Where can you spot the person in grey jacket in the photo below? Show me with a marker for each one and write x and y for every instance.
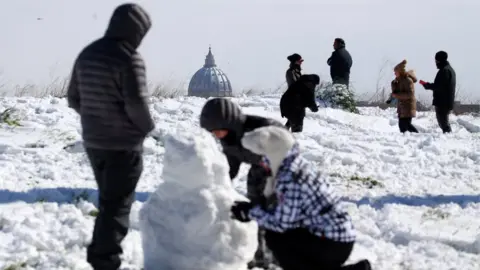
(225, 120)
(294, 71)
(108, 90)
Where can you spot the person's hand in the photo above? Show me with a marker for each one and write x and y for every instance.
(240, 209)
(315, 109)
(424, 83)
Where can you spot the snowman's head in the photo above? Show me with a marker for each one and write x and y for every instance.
(193, 159)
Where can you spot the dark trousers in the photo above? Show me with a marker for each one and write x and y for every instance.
(443, 119)
(295, 124)
(117, 174)
(300, 250)
(405, 124)
(255, 184)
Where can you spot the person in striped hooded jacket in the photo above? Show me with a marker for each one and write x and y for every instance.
(307, 226)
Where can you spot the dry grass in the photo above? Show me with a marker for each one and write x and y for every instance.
(59, 86)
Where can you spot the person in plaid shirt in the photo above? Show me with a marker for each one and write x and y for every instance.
(307, 226)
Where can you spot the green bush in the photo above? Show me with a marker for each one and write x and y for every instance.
(336, 96)
(7, 117)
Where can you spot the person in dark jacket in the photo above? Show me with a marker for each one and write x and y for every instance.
(300, 95)
(340, 63)
(443, 89)
(295, 70)
(307, 225)
(108, 90)
(227, 122)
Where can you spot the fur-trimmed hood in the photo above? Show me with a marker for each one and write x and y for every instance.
(411, 74)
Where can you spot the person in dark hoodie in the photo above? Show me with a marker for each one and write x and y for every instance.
(307, 225)
(300, 95)
(226, 122)
(443, 89)
(295, 70)
(108, 90)
(340, 63)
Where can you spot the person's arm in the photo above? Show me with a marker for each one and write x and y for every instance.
(429, 86)
(73, 95)
(256, 179)
(135, 93)
(311, 102)
(236, 155)
(439, 81)
(292, 76)
(332, 59)
(234, 164)
(286, 214)
(408, 94)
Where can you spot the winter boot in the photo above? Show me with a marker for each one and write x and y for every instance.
(259, 261)
(264, 258)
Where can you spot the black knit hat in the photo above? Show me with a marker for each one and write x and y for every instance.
(221, 113)
(294, 57)
(340, 41)
(441, 56)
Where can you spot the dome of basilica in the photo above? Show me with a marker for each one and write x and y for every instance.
(210, 81)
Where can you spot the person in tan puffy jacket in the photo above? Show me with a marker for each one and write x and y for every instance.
(403, 89)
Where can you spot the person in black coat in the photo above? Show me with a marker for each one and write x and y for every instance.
(109, 92)
(295, 70)
(443, 89)
(300, 95)
(227, 123)
(340, 63)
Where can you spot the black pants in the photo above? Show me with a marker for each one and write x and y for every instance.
(117, 174)
(256, 180)
(295, 124)
(405, 124)
(300, 250)
(443, 119)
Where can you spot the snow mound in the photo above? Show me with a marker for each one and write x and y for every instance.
(186, 223)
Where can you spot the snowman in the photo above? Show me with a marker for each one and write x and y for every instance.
(186, 224)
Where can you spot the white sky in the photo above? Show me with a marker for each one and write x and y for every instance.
(250, 38)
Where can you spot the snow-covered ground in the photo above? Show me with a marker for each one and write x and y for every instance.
(415, 198)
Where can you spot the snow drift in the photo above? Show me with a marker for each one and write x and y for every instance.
(414, 198)
(186, 223)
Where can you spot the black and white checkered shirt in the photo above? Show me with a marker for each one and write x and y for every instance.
(305, 200)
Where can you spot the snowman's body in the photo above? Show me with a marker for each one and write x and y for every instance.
(186, 223)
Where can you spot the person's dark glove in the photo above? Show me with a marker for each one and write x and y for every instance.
(315, 109)
(240, 209)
